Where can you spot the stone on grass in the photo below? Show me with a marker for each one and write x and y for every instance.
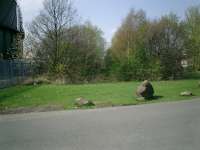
(145, 90)
(186, 93)
(140, 98)
(81, 102)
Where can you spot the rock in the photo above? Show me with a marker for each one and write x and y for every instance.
(34, 83)
(80, 102)
(145, 90)
(186, 93)
(28, 82)
(140, 98)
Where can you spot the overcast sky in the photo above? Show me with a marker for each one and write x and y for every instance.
(108, 14)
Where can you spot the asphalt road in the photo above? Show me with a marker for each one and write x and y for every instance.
(166, 126)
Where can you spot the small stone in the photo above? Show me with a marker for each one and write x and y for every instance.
(80, 102)
(35, 83)
(186, 93)
(140, 98)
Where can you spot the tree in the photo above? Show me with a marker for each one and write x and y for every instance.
(47, 30)
(167, 44)
(69, 50)
(192, 32)
(83, 56)
(108, 63)
(125, 40)
(149, 49)
(130, 47)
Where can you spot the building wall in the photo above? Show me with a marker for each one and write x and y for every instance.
(11, 30)
(11, 44)
(8, 14)
(6, 42)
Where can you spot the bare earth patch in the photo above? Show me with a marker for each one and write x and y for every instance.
(23, 110)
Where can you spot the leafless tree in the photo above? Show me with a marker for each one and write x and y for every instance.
(49, 26)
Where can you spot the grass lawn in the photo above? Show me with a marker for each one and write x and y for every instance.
(107, 93)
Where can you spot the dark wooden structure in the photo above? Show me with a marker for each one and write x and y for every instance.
(11, 30)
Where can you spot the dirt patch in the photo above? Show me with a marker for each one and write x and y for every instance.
(103, 104)
(23, 110)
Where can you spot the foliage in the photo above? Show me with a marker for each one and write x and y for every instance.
(84, 56)
(167, 45)
(149, 50)
(192, 31)
(141, 48)
(67, 49)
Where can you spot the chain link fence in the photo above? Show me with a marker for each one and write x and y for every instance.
(14, 72)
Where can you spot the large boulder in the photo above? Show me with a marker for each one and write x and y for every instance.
(145, 90)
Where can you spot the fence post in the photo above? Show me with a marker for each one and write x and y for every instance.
(11, 72)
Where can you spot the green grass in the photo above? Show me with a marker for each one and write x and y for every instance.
(108, 93)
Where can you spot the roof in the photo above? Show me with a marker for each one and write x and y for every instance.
(10, 15)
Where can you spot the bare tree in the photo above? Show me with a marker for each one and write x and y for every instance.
(47, 29)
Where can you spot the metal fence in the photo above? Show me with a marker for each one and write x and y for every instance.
(13, 72)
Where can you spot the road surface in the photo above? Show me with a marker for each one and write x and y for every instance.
(166, 126)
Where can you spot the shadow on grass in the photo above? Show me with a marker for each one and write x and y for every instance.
(156, 97)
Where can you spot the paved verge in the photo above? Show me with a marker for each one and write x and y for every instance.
(166, 126)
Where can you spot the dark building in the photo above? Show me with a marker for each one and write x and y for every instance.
(11, 30)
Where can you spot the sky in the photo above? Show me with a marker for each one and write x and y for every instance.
(108, 14)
